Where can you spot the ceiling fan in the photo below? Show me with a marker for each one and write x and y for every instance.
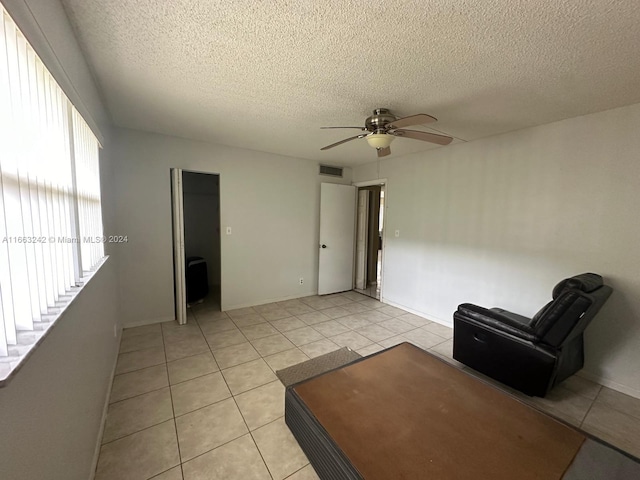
(382, 127)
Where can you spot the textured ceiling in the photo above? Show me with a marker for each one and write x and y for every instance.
(266, 75)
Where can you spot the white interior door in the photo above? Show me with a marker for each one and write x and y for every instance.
(361, 239)
(177, 209)
(337, 231)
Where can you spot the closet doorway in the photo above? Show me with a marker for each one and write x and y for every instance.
(196, 239)
(369, 240)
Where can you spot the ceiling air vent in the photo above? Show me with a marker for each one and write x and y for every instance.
(331, 171)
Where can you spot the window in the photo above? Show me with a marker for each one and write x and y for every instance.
(50, 212)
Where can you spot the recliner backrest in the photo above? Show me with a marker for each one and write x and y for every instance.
(576, 300)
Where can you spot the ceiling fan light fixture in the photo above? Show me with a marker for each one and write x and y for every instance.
(379, 140)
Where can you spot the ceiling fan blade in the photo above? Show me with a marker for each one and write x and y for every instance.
(424, 136)
(359, 128)
(383, 152)
(344, 141)
(419, 119)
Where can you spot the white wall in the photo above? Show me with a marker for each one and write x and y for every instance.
(499, 221)
(271, 203)
(51, 411)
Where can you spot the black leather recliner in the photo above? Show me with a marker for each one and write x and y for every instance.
(530, 354)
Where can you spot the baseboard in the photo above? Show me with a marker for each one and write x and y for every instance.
(103, 420)
(265, 302)
(149, 321)
(427, 316)
(619, 387)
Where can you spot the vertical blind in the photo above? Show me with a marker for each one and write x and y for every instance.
(50, 212)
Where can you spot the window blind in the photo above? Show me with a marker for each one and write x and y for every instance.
(49, 197)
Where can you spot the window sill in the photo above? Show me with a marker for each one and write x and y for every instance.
(28, 341)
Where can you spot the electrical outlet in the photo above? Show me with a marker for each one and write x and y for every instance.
(397, 233)
(228, 230)
(301, 281)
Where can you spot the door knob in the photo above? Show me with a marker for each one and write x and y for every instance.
(323, 246)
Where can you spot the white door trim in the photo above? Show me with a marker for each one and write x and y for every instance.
(179, 271)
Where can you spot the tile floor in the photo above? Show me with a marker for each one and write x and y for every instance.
(202, 401)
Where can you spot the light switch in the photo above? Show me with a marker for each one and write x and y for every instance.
(228, 230)
(397, 234)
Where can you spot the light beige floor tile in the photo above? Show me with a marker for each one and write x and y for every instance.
(225, 339)
(247, 320)
(144, 329)
(302, 336)
(564, 404)
(423, 338)
(330, 328)
(285, 359)
(352, 340)
(306, 473)
(262, 405)
(613, 426)
(299, 309)
(253, 332)
(240, 312)
(353, 322)
(318, 348)
(208, 428)
(137, 413)
(392, 311)
(276, 314)
(354, 308)
(289, 303)
(191, 367)
(199, 392)
(248, 375)
(373, 316)
(583, 387)
(370, 349)
(279, 449)
(393, 341)
(174, 474)
(210, 315)
(272, 344)
(237, 460)
(312, 318)
(141, 342)
(216, 326)
(397, 326)
(141, 455)
(235, 355)
(355, 297)
(620, 401)
(445, 349)
(318, 303)
(129, 385)
(267, 307)
(182, 333)
(286, 324)
(371, 303)
(414, 320)
(439, 329)
(186, 348)
(335, 312)
(128, 362)
(341, 300)
(375, 333)
(173, 325)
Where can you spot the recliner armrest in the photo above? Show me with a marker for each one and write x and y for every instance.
(497, 320)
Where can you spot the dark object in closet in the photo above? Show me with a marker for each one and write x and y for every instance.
(197, 283)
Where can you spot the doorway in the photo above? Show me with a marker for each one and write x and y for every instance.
(369, 240)
(197, 261)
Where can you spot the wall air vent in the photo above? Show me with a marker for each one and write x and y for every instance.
(331, 171)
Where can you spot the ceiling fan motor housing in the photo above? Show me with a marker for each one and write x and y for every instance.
(377, 122)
